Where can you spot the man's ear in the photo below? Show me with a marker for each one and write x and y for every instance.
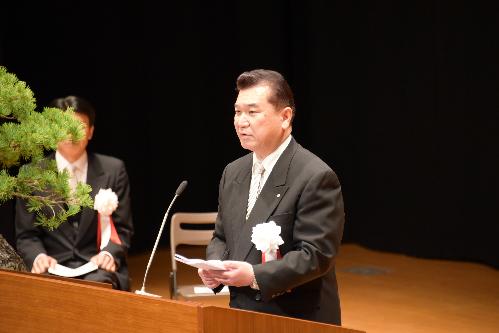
(286, 115)
(90, 132)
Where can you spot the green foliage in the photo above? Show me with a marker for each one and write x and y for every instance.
(28, 133)
(24, 137)
(16, 99)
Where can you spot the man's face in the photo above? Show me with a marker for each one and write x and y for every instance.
(73, 150)
(260, 126)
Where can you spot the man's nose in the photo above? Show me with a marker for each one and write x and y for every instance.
(242, 120)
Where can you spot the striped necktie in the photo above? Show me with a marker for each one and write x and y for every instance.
(73, 176)
(256, 186)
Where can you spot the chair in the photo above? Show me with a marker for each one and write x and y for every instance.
(179, 234)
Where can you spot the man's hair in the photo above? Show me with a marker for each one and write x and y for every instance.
(281, 95)
(79, 105)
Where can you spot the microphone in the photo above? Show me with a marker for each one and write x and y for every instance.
(178, 192)
(181, 188)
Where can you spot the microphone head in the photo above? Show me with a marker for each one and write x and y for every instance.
(181, 188)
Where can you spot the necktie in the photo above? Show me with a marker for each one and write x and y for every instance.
(73, 177)
(73, 180)
(256, 186)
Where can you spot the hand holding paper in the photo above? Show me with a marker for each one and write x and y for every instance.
(216, 272)
(42, 263)
(238, 274)
(207, 278)
(104, 261)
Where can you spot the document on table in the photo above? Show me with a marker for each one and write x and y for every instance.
(72, 272)
(200, 263)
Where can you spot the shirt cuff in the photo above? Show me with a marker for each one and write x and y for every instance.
(254, 283)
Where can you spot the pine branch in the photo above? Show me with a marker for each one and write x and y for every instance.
(24, 138)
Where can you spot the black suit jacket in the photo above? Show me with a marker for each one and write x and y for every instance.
(303, 196)
(67, 243)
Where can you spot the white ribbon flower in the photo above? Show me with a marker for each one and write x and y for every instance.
(266, 237)
(106, 202)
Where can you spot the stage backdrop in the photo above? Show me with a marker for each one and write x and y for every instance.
(399, 98)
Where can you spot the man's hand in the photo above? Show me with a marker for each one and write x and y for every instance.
(42, 263)
(238, 274)
(207, 278)
(104, 261)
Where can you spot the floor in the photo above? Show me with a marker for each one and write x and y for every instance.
(380, 292)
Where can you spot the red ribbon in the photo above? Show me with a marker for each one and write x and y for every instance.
(278, 256)
(114, 235)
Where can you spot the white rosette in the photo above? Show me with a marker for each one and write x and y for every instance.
(105, 203)
(266, 237)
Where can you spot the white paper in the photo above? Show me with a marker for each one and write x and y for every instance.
(72, 272)
(206, 290)
(200, 263)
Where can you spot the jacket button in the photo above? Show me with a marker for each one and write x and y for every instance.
(258, 296)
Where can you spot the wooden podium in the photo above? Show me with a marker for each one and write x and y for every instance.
(35, 303)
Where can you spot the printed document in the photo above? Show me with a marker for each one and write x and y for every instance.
(72, 272)
(200, 263)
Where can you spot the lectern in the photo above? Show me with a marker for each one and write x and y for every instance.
(34, 303)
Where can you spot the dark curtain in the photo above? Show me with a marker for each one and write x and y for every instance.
(399, 98)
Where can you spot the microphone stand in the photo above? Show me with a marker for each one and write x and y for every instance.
(142, 291)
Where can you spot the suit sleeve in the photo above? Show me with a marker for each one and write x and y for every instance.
(316, 233)
(217, 249)
(28, 236)
(122, 216)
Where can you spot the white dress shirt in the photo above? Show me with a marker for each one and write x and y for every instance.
(80, 164)
(270, 161)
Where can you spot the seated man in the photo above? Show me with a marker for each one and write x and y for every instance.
(74, 243)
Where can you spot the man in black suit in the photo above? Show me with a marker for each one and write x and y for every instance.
(75, 242)
(297, 191)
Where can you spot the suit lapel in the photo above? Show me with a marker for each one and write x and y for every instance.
(272, 192)
(96, 178)
(239, 198)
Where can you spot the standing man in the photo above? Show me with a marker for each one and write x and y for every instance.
(74, 243)
(283, 182)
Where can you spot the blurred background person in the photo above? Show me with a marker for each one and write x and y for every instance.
(74, 243)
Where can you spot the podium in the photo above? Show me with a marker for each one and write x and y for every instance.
(34, 303)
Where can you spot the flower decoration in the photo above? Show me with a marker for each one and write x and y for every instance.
(106, 202)
(266, 237)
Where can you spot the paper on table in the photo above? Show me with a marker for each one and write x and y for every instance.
(200, 263)
(72, 272)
